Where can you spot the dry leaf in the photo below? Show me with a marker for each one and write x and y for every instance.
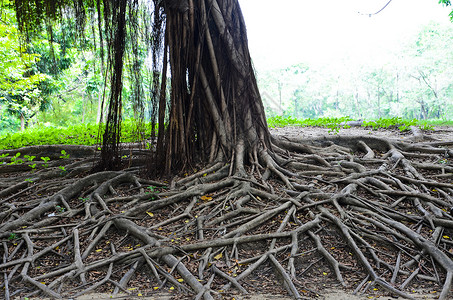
(206, 198)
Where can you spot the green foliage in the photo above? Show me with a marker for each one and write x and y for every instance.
(12, 236)
(19, 79)
(63, 170)
(332, 123)
(82, 134)
(45, 159)
(64, 155)
(15, 160)
(335, 124)
(447, 3)
(29, 158)
(60, 209)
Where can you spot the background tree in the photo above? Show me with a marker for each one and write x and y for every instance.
(20, 91)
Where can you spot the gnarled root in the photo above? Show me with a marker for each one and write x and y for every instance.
(358, 212)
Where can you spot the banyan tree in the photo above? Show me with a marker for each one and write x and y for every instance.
(218, 206)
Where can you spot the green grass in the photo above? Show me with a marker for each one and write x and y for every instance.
(87, 134)
(336, 123)
(83, 134)
(280, 121)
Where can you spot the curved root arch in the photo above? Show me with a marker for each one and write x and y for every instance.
(370, 214)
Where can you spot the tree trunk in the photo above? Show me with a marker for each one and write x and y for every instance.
(216, 109)
(22, 122)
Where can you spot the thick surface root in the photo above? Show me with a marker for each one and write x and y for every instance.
(367, 214)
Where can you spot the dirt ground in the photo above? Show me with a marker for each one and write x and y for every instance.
(328, 295)
(441, 133)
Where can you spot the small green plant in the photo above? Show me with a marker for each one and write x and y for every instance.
(29, 180)
(63, 170)
(45, 159)
(33, 167)
(59, 209)
(15, 160)
(64, 155)
(152, 190)
(4, 155)
(12, 236)
(427, 127)
(29, 157)
(334, 128)
(83, 199)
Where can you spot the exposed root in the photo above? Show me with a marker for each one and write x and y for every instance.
(368, 214)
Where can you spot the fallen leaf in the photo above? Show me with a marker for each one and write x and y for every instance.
(150, 214)
(206, 198)
(218, 256)
(172, 288)
(180, 280)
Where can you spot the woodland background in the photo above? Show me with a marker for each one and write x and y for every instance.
(62, 85)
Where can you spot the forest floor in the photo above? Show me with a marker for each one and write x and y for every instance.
(66, 234)
(439, 133)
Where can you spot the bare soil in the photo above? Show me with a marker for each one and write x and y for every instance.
(440, 133)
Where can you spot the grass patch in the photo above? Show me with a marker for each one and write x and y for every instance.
(336, 123)
(83, 134)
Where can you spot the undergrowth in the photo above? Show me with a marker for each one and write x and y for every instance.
(336, 123)
(82, 134)
(87, 134)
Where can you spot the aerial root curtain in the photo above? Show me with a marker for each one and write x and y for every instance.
(215, 107)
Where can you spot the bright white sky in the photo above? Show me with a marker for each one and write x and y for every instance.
(286, 32)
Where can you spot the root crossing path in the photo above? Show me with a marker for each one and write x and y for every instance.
(369, 214)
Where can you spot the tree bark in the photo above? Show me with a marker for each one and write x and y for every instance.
(214, 94)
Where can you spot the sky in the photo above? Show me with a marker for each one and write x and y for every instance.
(286, 32)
